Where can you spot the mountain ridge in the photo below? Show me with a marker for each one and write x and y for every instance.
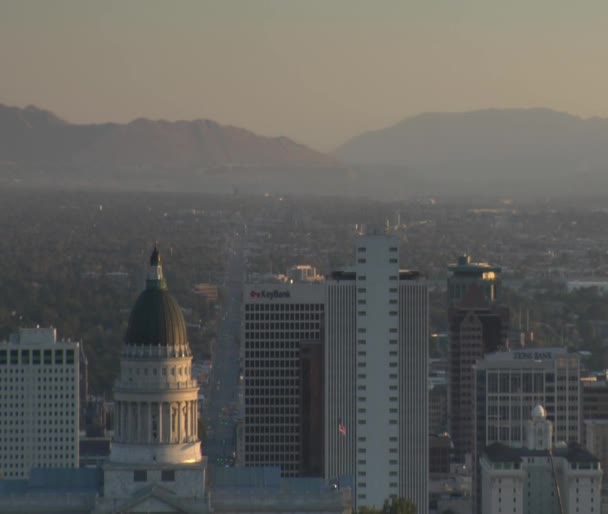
(486, 143)
(32, 135)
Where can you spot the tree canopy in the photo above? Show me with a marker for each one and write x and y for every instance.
(392, 506)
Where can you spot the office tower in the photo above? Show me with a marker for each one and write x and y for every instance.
(376, 368)
(477, 325)
(509, 384)
(438, 408)
(539, 476)
(39, 402)
(156, 440)
(594, 396)
(280, 357)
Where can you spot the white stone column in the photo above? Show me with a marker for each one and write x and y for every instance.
(139, 425)
(149, 421)
(173, 406)
(194, 421)
(129, 421)
(125, 425)
(117, 421)
(179, 422)
(190, 432)
(159, 428)
(196, 418)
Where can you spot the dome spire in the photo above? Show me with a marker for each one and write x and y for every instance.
(155, 259)
(155, 273)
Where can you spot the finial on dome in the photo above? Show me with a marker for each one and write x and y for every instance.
(155, 274)
(155, 259)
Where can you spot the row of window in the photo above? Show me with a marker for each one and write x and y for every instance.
(280, 325)
(36, 357)
(166, 475)
(298, 336)
(271, 420)
(272, 439)
(284, 307)
(290, 353)
(272, 401)
(10, 370)
(392, 249)
(270, 409)
(173, 371)
(278, 429)
(265, 457)
(292, 346)
(290, 375)
(305, 316)
(391, 261)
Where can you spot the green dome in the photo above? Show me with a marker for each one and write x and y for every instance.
(156, 318)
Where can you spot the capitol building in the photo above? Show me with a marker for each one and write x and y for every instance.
(156, 462)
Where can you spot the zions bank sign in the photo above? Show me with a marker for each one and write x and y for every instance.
(532, 355)
(270, 295)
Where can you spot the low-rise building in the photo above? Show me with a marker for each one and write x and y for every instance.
(539, 477)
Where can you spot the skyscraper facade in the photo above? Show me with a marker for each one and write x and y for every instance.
(280, 354)
(477, 325)
(39, 384)
(508, 385)
(376, 365)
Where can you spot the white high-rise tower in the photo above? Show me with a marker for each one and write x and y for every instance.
(376, 396)
(39, 403)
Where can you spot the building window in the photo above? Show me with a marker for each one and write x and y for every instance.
(140, 475)
(167, 475)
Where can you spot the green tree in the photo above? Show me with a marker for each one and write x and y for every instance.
(392, 506)
(369, 510)
(398, 506)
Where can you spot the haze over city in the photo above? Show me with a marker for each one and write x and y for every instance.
(316, 256)
(318, 72)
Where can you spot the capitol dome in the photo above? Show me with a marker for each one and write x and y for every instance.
(156, 318)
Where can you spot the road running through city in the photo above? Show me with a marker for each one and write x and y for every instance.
(222, 408)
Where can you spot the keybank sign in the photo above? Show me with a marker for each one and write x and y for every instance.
(270, 295)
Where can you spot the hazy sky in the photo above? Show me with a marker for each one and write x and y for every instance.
(319, 71)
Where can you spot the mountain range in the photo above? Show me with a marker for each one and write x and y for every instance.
(535, 144)
(32, 136)
(507, 152)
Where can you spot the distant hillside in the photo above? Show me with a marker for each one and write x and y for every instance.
(32, 136)
(518, 146)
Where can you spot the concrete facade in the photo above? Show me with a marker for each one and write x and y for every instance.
(278, 320)
(376, 391)
(39, 401)
(540, 478)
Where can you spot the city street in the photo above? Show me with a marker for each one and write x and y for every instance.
(220, 443)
